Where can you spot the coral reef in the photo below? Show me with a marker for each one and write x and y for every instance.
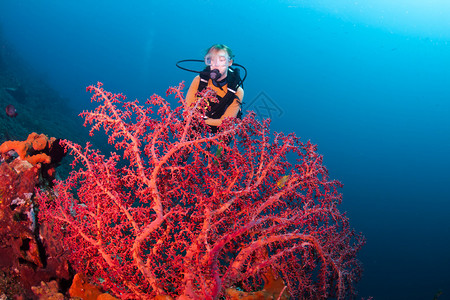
(274, 288)
(37, 149)
(29, 252)
(82, 289)
(30, 149)
(48, 291)
(163, 215)
(37, 107)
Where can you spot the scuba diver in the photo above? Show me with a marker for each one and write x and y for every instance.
(224, 80)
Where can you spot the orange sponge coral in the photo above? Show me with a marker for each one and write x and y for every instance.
(27, 149)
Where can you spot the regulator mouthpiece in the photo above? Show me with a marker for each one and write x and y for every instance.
(215, 74)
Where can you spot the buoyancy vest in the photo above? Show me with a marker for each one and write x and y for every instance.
(217, 109)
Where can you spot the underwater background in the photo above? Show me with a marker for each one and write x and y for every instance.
(367, 81)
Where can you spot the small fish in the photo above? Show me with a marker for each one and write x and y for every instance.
(282, 181)
(437, 295)
(11, 111)
(218, 155)
(219, 152)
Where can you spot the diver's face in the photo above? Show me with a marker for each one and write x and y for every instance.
(219, 60)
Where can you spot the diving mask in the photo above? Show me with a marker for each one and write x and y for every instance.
(216, 60)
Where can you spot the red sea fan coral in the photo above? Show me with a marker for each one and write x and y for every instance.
(179, 211)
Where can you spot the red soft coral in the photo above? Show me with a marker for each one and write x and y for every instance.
(168, 214)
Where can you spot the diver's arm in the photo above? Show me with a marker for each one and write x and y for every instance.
(232, 110)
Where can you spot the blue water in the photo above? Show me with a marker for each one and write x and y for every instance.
(368, 82)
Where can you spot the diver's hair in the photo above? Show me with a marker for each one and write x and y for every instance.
(218, 47)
